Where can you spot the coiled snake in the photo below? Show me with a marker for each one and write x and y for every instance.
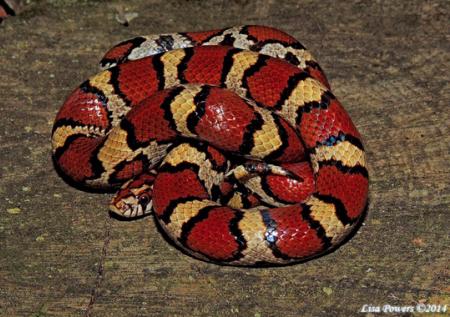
(231, 137)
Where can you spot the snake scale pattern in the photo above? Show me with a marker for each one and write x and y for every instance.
(231, 137)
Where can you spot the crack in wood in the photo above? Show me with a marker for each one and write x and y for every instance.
(100, 270)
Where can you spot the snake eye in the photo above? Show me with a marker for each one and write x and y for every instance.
(144, 200)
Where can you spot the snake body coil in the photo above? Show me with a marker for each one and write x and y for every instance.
(232, 137)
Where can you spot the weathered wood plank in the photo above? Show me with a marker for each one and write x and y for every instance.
(60, 254)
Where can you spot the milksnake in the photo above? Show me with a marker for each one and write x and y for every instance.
(231, 137)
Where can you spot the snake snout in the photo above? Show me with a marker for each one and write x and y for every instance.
(121, 209)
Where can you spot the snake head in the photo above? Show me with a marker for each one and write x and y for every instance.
(134, 199)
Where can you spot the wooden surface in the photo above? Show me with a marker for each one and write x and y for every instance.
(61, 254)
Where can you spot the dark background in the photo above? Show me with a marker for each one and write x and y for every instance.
(62, 255)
